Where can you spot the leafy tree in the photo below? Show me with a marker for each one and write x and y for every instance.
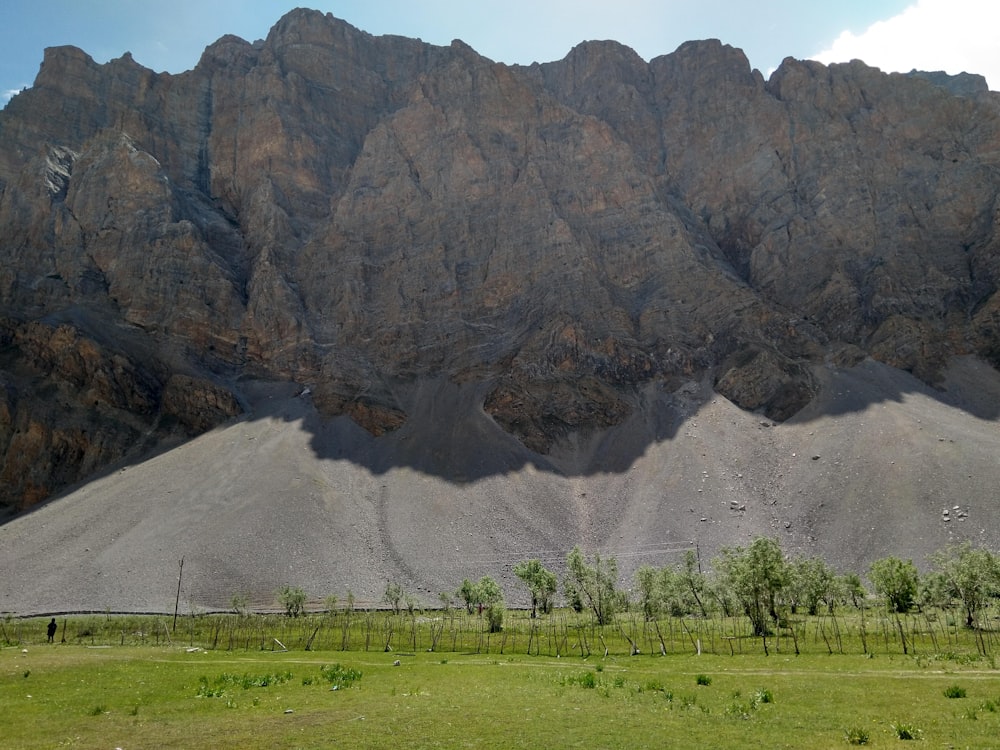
(467, 593)
(240, 604)
(668, 590)
(896, 581)
(649, 582)
(489, 597)
(972, 576)
(693, 580)
(392, 596)
(935, 590)
(593, 584)
(293, 599)
(850, 587)
(542, 584)
(494, 616)
(755, 577)
(488, 591)
(811, 584)
(718, 590)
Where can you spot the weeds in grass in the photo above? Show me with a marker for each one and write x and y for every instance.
(857, 736)
(703, 679)
(905, 731)
(225, 681)
(587, 680)
(339, 676)
(688, 701)
(811, 701)
(954, 691)
(745, 709)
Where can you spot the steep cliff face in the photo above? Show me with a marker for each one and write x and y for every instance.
(355, 212)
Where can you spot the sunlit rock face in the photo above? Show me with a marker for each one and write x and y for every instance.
(363, 214)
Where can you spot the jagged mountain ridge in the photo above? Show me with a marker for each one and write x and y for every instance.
(362, 214)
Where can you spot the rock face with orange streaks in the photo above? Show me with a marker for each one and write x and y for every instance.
(359, 214)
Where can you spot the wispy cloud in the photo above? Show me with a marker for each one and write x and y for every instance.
(7, 95)
(952, 35)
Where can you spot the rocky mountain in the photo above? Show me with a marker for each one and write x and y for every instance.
(418, 238)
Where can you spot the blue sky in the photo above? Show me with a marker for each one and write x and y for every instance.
(952, 35)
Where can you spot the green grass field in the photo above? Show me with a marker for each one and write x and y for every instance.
(94, 692)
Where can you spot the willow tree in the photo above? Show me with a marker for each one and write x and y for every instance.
(542, 584)
(593, 584)
(896, 581)
(971, 574)
(756, 577)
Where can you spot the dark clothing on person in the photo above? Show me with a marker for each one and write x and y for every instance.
(52, 629)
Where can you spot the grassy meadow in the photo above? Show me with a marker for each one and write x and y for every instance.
(322, 681)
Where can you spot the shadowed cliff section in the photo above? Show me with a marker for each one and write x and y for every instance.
(561, 249)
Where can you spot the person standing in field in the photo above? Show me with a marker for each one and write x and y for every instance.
(52, 630)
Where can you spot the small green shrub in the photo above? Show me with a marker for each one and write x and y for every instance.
(906, 731)
(857, 736)
(588, 680)
(954, 691)
(339, 676)
(98, 710)
(703, 679)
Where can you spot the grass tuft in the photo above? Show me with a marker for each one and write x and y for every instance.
(339, 676)
(857, 736)
(905, 731)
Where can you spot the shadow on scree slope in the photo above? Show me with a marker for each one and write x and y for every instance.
(448, 435)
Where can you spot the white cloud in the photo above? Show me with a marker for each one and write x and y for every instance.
(6, 96)
(952, 35)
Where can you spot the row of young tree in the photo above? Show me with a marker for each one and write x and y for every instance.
(758, 581)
